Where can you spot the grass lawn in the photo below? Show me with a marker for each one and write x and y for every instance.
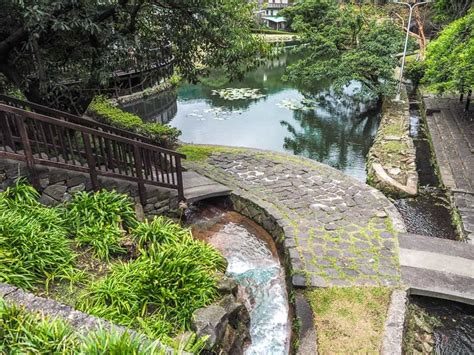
(349, 320)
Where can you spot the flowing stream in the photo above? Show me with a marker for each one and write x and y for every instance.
(254, 265)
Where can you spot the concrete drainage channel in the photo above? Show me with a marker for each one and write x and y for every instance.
(427, 316)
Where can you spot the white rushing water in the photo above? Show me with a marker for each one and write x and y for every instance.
(262, 281)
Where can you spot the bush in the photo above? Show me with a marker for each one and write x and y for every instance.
(22, 332)
(159, 291)
(99, 220)
(33, 239)
(415, 70)
(103, 110)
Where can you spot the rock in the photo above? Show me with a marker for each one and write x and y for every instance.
(77, 188)
(47, 201)
(232, 309)
(394, 171)
(427, 348)
(56, 191)
(226, 285)
(211, 321)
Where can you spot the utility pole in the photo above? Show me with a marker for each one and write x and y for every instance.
(411, 5)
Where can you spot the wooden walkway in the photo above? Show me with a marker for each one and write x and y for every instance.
(437, 267)
(452, 133)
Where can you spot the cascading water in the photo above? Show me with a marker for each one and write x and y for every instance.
(254, 265)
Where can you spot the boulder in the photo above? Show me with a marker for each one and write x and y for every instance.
(210, 321)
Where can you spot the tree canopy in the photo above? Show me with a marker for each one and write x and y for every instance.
(450, 57)
(39, 38)
(341, 43)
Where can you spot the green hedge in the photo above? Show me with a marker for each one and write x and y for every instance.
(274, 32)
(103, 110)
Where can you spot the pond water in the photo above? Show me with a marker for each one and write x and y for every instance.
(255, 266)
(336, 132)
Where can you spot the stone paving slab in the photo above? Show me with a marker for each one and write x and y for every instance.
(338, 231)
(452, 134)
(437, 267)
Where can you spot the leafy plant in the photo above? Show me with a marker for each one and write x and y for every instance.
(33, 240)
(99, 220)
(102, 109)
(449, 64)
(159, 291)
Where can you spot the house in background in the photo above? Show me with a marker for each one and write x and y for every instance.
(270, 13)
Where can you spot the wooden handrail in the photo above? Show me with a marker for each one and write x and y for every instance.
(48, 111)
(38, 139)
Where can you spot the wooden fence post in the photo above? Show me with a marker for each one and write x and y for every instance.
(179, 177)
(138, 169)
(30, 161)
(90, 161)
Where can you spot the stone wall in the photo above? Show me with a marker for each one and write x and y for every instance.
(391, 162)
(58, 185)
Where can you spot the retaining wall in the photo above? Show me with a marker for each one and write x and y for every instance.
(58, 185)
(391, 162)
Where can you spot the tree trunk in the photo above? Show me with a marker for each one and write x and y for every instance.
(421, 32)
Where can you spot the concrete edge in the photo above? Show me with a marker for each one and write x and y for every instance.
(441, 294)
(82, 323)
(394, 327)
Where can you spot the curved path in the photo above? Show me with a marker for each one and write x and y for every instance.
(338, 231)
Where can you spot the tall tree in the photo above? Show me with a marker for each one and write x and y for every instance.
(340, 43)
(450, 57)
(42, 39)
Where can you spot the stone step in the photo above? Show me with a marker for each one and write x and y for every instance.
(436, 245)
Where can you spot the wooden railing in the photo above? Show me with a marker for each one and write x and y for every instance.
(40, 139)
(47, 111)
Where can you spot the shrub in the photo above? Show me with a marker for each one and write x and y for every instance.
(159, 291)
(102, 109)
(99, 221)
(33, 239)
(22, 332)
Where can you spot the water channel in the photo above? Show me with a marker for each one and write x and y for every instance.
(255, 266)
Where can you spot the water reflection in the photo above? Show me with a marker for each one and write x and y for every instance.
(161, 107)
(337, 132)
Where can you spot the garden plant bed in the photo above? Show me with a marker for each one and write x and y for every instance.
(92, 254)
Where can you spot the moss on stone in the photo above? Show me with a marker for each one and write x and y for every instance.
(203, 152)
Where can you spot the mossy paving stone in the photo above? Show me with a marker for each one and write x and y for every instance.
(329, 215)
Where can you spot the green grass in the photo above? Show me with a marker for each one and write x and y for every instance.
(202, 152)
(349, 320)
(159, 291)
(27, 333)
(167, 277)
(34, 244)
(103, 109)
(100, 221)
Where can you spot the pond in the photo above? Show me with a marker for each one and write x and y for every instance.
(335, 132)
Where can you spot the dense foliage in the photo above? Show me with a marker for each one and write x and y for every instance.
(42, 40)
(342, 44)
(100, 221)
(449, 60)
(167, 277)
(103, 110)
(34, 244)
(159, 291)
(22, 332)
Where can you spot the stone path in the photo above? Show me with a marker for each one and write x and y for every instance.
(452, 133)
(338, 231)
(437, 267)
